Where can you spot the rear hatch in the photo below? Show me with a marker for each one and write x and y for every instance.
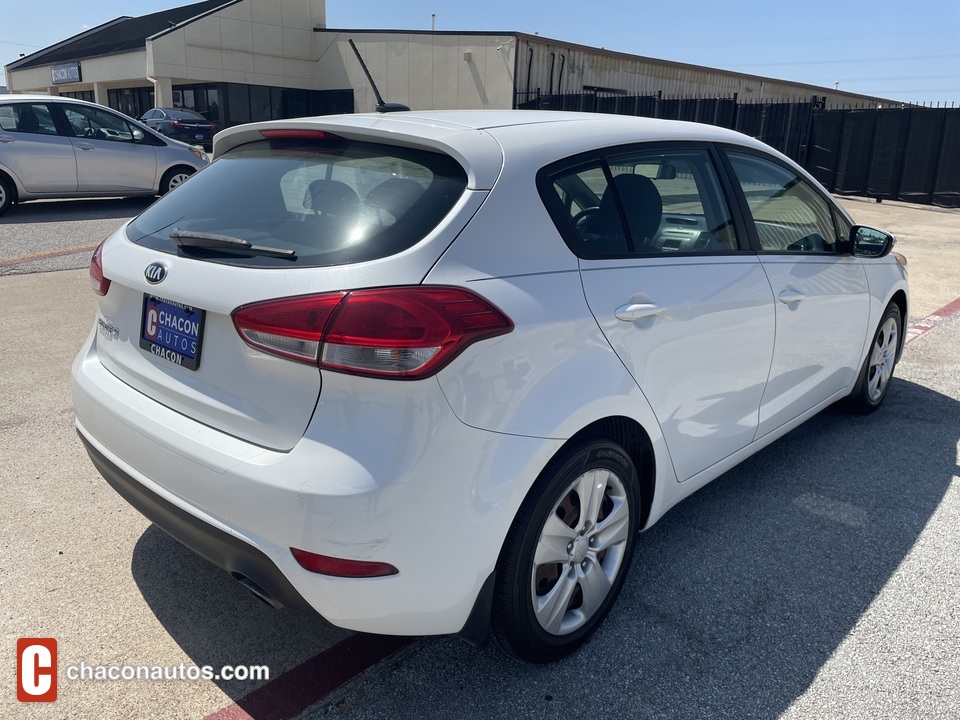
(288, 214)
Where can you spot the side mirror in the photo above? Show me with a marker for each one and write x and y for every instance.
(870, 242)
(138, 135)
(667, 172)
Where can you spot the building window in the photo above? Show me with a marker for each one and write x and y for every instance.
(79, 95)
(229, 104)
(238, 104)
(260, 103)
(132, 102)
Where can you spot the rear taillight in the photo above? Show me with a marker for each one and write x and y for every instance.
(404, 332)
(339, 567)
(292, 327)
(97, 280)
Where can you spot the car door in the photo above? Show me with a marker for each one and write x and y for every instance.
(684, 304)
(822, 307)
(150, 118)
(32, 148)
(109, 159)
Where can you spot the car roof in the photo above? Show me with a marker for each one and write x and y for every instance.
(571, 132)
(27, 97)
(485, 141)
(574, 124)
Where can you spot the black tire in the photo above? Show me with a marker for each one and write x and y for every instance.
(174, 177)
(877, 371)
(575, 593)
(7, 195)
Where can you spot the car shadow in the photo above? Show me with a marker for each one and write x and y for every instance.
(41, 211)
(215, 621)
(734, 602)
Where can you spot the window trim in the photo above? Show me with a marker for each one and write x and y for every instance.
(741, 200)
(602, 157)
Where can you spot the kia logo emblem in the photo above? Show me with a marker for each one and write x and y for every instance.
(155, 273)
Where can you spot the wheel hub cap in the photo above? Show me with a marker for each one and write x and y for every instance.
(580, 547)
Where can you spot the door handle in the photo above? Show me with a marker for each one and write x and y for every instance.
(791, 296)
(637, 311)
(6, 139)
(85, 146)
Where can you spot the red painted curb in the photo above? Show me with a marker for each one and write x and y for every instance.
(930, 321)
(37, 257)
(293, 692)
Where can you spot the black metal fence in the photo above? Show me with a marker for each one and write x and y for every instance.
(910, 153)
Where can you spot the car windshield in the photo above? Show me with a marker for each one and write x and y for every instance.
(330, 201)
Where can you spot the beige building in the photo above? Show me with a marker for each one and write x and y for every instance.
(246, 60)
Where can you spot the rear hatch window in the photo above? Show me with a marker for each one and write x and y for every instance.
(328, 202)
(186, 116)
(312, 201)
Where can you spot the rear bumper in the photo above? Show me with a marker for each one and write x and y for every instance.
(394, 478)
(238, 558)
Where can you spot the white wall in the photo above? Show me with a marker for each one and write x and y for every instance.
(122, 70)
(426, 71)
(29, 80)
(257, 42)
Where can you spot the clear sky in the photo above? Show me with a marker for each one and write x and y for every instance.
(902, 50)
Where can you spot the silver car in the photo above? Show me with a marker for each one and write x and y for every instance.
(56, 147)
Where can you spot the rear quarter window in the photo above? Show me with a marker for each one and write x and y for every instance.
(27, 118)
(330, 201)
(8, 120)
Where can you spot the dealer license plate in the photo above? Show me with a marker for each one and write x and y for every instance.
(172, 331)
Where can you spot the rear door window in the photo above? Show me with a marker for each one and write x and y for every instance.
(322, 202)
(648, 202)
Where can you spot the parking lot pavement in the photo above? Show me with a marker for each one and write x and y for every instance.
(929, 237)
(82, 566)
(60, 234)
(816, 580)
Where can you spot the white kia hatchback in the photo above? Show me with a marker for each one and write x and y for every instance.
(432, 372)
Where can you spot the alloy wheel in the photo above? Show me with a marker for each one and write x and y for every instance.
(882, 359)
(579, 552)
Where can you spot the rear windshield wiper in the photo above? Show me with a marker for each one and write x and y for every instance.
(212, 241)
